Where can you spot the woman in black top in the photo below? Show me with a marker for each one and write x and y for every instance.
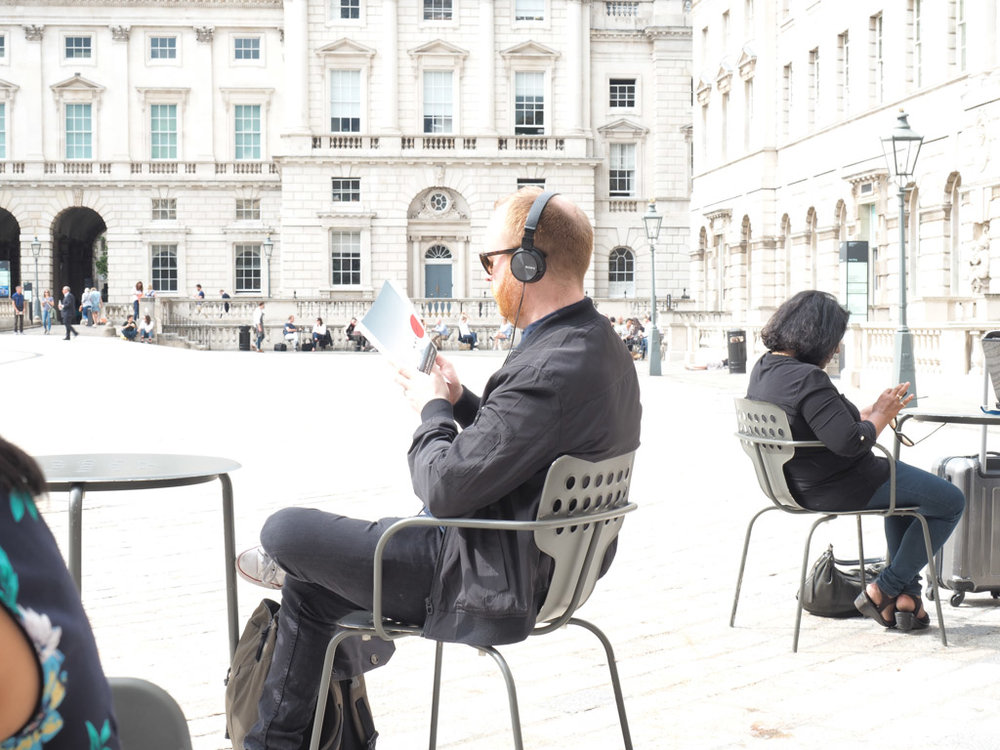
(802, 336)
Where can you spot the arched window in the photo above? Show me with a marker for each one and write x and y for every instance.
(437, 252)
(621, 273)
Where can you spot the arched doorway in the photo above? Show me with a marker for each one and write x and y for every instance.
(438, 229)
(10, 249)
(74, 234)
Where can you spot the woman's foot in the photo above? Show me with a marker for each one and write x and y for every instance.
(874, 603)
(910, 613)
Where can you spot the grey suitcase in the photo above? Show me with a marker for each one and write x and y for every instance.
(970, 560)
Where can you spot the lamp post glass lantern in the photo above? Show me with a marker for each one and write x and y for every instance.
(268, 245)
(36, 249)
(901, 150)
(652, 221)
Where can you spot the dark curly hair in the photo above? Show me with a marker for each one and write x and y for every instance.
(809, 326)
(18, 471)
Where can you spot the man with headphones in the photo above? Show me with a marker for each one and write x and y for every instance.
(569, 387)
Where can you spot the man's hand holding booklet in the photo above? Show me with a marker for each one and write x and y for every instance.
(395, 330)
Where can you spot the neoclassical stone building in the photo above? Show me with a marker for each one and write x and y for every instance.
(791, 101)
(314, 148)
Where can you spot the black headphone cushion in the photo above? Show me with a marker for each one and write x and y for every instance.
(527, 265)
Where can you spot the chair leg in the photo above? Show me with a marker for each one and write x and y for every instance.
(436, 694)
(932, 574)
(743, 562)
(802, 581)
(324, 685)
(861, 555)
(515, 716)
(615, 681)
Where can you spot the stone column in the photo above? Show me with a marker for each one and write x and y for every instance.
(33, 99)
(574, 72)
(486, 42)
(296, 50)
(205, 112)
(118, 146)
(390, 68)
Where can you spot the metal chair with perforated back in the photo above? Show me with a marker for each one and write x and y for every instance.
(582, 508)
(148, 717)
(766, 438)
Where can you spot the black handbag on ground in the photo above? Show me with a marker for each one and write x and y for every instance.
(830, 589)
(347, 724)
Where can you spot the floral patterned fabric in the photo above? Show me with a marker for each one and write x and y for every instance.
(37, 591)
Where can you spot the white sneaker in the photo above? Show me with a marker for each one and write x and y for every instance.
(258, 567)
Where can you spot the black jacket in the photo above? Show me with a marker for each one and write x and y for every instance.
(570, 388)
(845, 474)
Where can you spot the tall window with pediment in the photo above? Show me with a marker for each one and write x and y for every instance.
(438, 104)
(529, 103)
(621, 173)
(345, 101)
(621, 273)
(79, 131)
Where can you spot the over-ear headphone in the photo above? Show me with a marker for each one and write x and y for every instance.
(527, 264)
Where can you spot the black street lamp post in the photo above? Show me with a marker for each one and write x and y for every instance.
(901, 149)
(268, 249)
(652, 221)
(36, 249)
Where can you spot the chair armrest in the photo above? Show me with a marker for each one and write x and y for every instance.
(469, 523)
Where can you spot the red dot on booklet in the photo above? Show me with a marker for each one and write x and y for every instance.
(417, 328)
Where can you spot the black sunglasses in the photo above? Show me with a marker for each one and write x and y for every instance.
(908, 442)
(487, 258)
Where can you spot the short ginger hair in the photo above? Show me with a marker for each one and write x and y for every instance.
(564, 233)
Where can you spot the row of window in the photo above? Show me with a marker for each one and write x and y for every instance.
(165, 209)
(163, 131)
(439, 101)
(345, 264)
(164, 127)
(81, 47)
(441, 10)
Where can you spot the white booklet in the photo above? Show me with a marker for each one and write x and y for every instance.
(395, 330)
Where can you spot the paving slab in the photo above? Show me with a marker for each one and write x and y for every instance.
(330, 430)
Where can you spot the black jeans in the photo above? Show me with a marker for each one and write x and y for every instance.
(18, 322)
(328, 561)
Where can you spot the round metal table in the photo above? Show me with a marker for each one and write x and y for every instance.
(110, 472)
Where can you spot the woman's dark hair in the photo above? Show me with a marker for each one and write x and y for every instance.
(18, 471)
(808, 326)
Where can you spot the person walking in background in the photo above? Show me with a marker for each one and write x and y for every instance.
(68, 310)
(95, 305)
(17, 302)
(225, 296)
(48, 310)
(85, 307)
(258, 327)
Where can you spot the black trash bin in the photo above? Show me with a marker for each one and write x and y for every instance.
(244, 338)
(737, 351)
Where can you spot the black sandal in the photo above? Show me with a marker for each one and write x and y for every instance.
(907, 621)
(869, 608)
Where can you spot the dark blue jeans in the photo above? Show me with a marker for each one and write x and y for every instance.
(328, 561)
(939, 501)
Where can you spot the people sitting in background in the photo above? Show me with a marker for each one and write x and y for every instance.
(146, 330)
(360, 342)
(465, 333)
(321, 336)
(129, 330)
(291, 332)
(503, 334)
(440, 333)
